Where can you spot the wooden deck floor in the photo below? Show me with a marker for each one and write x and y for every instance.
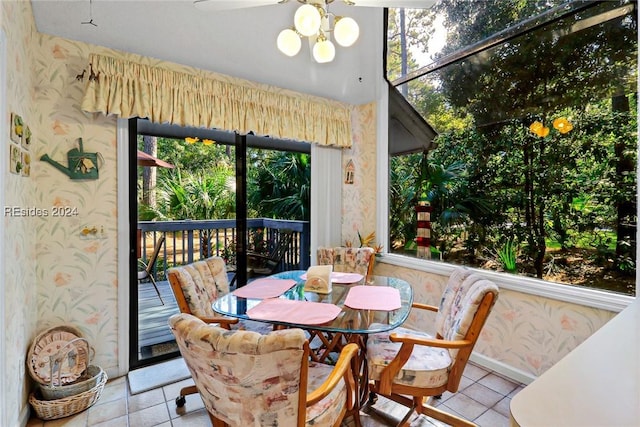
(153, 317)
(153, 327)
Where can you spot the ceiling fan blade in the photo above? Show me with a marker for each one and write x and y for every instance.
(408, 4)
(232, 4)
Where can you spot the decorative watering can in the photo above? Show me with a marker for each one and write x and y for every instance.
(81, 165)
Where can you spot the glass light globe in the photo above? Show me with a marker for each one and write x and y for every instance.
(346, 31)
(307, 20)
(324, 51)
(289, 42)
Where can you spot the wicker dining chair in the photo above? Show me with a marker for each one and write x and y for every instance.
(410, 366)
(249, 379)
(196, 286)
(348, 259)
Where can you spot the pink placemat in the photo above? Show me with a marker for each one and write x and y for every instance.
(264, 288)
(373, 298)
(293, 311)
(337, 277)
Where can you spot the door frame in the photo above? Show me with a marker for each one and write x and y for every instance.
(125, 275)
(126, 141)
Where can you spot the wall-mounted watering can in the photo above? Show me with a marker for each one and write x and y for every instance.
(81, 165)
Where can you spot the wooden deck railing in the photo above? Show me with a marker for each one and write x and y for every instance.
(192, 240)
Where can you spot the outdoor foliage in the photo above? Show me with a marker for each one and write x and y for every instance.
(505, 185)
(201, 186)
(279, 184)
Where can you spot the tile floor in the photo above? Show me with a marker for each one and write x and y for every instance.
(483, 398)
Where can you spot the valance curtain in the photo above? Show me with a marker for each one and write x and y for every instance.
(130, 89)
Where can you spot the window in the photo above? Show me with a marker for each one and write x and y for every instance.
(534, 166)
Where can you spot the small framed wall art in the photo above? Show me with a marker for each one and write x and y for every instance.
(16, 128)
(26, 137)
(19, 146)
(26, 163)
(15, 159)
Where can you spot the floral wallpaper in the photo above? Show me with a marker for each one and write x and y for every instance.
(359, 198)
(526, 332)
(20, 293)
(55, 275)
(76, 275)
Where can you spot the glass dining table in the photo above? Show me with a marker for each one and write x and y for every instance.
(350, 324)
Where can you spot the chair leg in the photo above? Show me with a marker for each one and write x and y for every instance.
(216, 422)
(387, 418)
(180, 400)
(155, 285)
(445, 417)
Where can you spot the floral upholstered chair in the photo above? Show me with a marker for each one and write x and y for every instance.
(247, 379)
(196, 287)
(409, 366)
(348, 259)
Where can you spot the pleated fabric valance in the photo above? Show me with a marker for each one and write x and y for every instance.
(130, 89)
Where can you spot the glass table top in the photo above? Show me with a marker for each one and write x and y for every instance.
(348, 321)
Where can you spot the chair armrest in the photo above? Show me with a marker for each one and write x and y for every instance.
(425, 306)
(342, 369)
(223, 321)
(431, 342)
(256, 260)
(403, 355)
(257, 256)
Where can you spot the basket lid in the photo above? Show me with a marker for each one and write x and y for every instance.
(58, 356)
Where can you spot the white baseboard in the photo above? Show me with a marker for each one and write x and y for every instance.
(113, 372)
(502, 369)
(25, 414)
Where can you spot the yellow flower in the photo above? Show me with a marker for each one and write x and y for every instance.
(539, 129)
(208, 141)
(192, 140)
(562, 124)
(366, 241)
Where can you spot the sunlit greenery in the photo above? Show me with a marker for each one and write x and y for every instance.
(494, 181)
(202, 184)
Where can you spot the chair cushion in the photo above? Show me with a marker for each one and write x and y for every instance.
(325, 256)
(464, 299)
(346, 259)
(352, 260)
(427, 366)
(327, 411)
(449, 295)
(244, 378)
(202, 282)
(253, 326)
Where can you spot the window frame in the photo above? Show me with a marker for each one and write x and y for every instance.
(589, 297)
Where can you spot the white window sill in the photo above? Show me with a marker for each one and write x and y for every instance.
(573, 294)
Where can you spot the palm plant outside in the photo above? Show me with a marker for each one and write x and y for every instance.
(202, 186)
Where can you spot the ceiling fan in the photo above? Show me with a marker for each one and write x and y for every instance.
(241, 4)
(316, 22)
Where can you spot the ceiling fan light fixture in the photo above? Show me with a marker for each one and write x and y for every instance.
(289, 42)
(324, 51)
(314, 21)
(307, 20)
(346, 31)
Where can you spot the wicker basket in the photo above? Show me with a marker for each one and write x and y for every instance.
(87, 381)
(60, 408)
(54, 345)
